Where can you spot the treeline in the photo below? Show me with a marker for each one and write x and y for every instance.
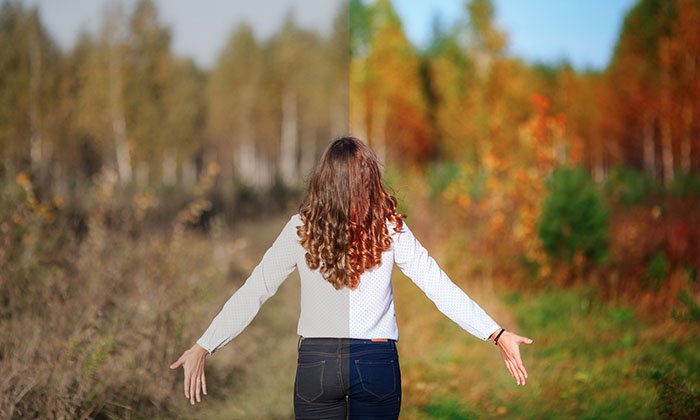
(464, 98)
(121, 101)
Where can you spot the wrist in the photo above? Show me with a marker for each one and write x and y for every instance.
(497, 335)
(197, 348)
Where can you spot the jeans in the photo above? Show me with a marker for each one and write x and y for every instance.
(347, 378)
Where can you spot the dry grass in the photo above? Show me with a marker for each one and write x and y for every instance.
(90, 325)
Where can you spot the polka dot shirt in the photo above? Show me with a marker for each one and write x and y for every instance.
(366, 312)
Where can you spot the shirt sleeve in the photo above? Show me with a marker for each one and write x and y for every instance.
(413, 260)
(240, 309)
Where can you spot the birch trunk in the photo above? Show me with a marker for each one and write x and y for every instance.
(35, 141)
(288, 136)
(116, 99)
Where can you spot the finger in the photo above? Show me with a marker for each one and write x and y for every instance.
(176, 363)
(199, 388)
(518, 378)
(525, 340)
(192, 389)
(510, 368)
(204, 384)
(514, 358)
(186, 383)
(517, 370)
(520, 365)
(521, 375)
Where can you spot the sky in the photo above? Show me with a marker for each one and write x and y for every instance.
(200, 28)
(584, 32)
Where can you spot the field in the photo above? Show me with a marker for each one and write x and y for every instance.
(90, 326)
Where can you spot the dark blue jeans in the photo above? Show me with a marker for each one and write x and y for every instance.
(347, 378)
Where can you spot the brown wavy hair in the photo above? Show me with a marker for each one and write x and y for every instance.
(344, 213)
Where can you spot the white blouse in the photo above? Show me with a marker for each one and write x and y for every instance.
(366, 312)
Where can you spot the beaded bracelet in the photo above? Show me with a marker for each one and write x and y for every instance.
(495, 340)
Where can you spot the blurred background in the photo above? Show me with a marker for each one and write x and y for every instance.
(152, 150)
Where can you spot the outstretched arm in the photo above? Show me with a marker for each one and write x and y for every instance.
(240, 309)
(414, 261)
(276, 265)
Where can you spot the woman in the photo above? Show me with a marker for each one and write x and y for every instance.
(344, 241)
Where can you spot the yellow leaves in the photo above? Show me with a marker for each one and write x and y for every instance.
(22, 179)
(464, 201)
(57, 201)
(545, 271)
(194, 210)
(31, 208)
(142, 202)
(213, 169)
(497, 224)
(490, 161)
(44, 212)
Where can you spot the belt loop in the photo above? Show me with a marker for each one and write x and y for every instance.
(299, 343)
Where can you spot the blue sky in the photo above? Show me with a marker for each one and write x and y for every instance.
(546, 30)
(585, 32)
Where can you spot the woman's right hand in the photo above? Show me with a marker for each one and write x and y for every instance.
(509, 343)
(193, 361)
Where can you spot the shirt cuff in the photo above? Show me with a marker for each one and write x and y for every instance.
(201, 343)
(491, 331)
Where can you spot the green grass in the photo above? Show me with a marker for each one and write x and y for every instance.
(589, 360)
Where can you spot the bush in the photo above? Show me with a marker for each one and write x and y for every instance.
(686, 185)
(656, 271)
(628, 186)
(574, 217)
(440, 175)
(692, 312)
(678, 399)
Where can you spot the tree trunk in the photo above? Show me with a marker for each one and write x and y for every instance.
(688, 118)
(665, 120)
(116, 99)
(308, 151)
(648, 141)
(35, 140)
(288, 136)
(169, 169)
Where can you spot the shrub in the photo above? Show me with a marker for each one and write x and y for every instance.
(656, 271)
(628, 186)
(692, 312)
(574, 217)
(686, 185)
(677, 398)
(440, 175)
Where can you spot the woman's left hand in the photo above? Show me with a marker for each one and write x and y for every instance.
(193, 362)
(509, 343)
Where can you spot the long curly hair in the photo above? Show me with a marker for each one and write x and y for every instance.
(344, 213)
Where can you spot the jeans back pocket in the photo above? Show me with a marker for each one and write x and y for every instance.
(378, 377)
(309, 380)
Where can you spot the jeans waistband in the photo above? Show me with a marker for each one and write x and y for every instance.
(344, 341)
